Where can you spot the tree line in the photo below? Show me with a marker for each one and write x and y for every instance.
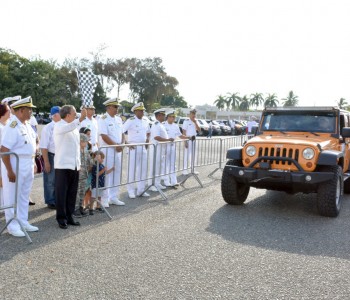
(235, 102)
(50, 83)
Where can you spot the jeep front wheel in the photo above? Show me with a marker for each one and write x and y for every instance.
(329, 194)
(233, 192)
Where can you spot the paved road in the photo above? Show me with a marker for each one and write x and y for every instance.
(192, 246)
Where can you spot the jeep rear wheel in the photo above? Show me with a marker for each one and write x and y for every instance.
(329, 194)
(233, 192)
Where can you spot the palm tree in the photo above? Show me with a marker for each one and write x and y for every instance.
(271, 100)
(244, 104)
(291, 100)
(220, 102)
(233, 100)
(256, 99)
(342, 103)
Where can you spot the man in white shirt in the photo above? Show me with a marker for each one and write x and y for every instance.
(138, 132)
(47, 146)
(91, 123)
(174, 132)
(158, 134)
(190, 128)
(110, 128)
(251, 124)
(67, 164)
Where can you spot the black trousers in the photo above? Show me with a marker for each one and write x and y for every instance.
(66, 187)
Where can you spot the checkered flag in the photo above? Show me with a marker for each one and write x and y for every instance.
(87, 84)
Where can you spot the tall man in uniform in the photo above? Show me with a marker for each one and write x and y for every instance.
(159, 134)
(19, 137)
(91, 123)
(67, 164)
(190, 128)
(138, 132)
(174, 132)
(47, 146)
(110, 128)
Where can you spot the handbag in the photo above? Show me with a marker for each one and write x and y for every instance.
(39, 162)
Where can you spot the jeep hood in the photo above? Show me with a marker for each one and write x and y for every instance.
(302, 139)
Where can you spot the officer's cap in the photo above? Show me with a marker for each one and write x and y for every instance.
(25, 102)
(138, 106)
(112, 101)
(9, 100)
(160, 111)
(171, 113)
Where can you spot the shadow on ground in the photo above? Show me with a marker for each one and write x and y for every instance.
(287, 223)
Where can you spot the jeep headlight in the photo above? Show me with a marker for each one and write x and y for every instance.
(308, 153)
(250, 150)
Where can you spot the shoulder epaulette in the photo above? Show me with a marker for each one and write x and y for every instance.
(132, 118)
(13, 124)
(104, 117)
(156, 122)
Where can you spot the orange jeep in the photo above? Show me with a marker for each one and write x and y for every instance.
(296, 149)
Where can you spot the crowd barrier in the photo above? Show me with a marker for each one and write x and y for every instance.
(14, 205)
(147, 164)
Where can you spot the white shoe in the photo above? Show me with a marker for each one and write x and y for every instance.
(31, 228)
(153, 189)
(162, 187)
(167, 184)
(17, 233)
(105, 204)
(116, 202)
(132, 196)
(145, 194)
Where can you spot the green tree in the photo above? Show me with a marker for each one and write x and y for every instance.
(342, 103)
(291, 100)
(220, 102)
(271, 101)
(173, 101)
(256, 99)
(232, 100)
(244, 103)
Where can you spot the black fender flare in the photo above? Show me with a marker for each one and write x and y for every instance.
(330, 158)
(234, 153)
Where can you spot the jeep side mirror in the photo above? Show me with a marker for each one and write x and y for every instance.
(345, 132)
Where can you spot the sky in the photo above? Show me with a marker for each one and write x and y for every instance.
(211, 47)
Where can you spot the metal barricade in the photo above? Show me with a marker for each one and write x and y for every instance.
(14, 205)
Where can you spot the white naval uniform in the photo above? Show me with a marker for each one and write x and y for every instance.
(137, 162)
(190, 128)
(173, 131)
(93, 126)
(21, 139)
(157, 129)
(113, 128)
(1, 189)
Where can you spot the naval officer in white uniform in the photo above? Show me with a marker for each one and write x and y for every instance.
(138, 130)
(110, 128)
(174, 132)
(19, 137)
(91, 123)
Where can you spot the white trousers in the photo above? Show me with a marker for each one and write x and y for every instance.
(112, 159)
(159, 164)
(25, 180)
(170, 165)
(188, 155)
(137, 169)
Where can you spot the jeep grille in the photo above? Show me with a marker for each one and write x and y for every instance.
(279, 152)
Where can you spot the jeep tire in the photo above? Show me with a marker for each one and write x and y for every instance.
(233, 192)
(329, 194)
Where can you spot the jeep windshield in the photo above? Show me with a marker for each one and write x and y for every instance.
(299, 121)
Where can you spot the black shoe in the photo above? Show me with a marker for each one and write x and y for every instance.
(31, 203)
(82, 211)
(51, 206)
(62, 225)
(91, 212)
(77, 213)
(72, 222)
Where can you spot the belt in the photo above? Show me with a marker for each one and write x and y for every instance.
(26, 156)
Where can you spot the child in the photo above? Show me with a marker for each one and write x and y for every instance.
(102, 171)
(85, 169)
